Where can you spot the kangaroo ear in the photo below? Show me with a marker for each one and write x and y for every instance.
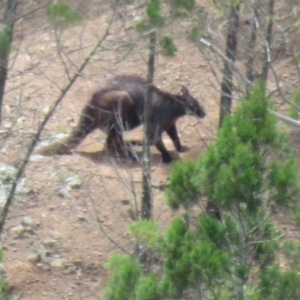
(184, 91)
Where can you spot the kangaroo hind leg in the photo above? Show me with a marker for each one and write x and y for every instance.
(120, 105)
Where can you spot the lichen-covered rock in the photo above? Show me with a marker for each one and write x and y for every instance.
(70, 183)
(7, 177)
(19, 231)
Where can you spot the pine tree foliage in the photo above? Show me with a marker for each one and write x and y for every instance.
(249, 171)
(294, 107)
(62, 15)
(126, 273)
(5, 44)
(158, 14)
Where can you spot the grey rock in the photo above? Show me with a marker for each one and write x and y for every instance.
(7, 177)
(58, 263)
(57, 138)
(49, 242)
(27, 221)
(73, 182)
(34, 258)
(70, 183)
(19, 231)
(36, 157)
(7, 173)
(64, 192)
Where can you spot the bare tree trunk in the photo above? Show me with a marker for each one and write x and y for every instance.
(251, 46)
(267, 58)
(231, 45)
(9, 19)
(146, 181)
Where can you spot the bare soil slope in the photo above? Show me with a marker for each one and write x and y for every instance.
(57, 240)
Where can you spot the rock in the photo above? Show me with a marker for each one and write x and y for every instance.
(125, 202)
(78, 263)
(21, 120)
(64, 192)
(73, 182)
(7, 173)
(3, 194)
(34, 258)
(7, 177)
(81, 218)
(46, 110)
(46, 257)
(36, 157)
(27, 222)
(7, 125)
(49, 242)
(22, 189)
(19, 231)
(56, 138)
(58, 263)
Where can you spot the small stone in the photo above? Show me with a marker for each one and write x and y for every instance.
(64, 192)
(34, 258)
(45, 254)
(27, 221)
(7, 125)
(81, 218)
(58, 263)
(78, 262)
(46, 110)
(36, 157)
(49, 242)
(7, 173)
(21, 120)
(125, 202)
(73, 182)
(19, 231)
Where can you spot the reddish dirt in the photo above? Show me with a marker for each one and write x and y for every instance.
(76, 235)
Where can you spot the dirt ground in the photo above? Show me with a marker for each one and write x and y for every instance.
(56, 239)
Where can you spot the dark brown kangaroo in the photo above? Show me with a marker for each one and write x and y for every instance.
(117, 105)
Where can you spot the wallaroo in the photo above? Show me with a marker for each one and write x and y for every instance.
(117, 105)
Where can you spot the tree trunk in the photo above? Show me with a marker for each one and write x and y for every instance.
(9, 19)
(268, 40)
(231, 45)
(251, 47)
(146, 181)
